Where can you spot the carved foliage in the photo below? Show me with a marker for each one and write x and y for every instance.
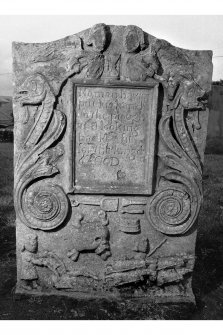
(175, 206)
(46, 206)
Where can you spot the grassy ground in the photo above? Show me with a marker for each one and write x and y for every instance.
(208, 274)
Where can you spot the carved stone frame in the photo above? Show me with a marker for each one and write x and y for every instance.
(150, 139)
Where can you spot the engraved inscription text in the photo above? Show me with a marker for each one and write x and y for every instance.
(111, 136)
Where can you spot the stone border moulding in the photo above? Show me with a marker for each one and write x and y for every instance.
(110, 131)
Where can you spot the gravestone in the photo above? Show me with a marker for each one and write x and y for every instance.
(110, 130)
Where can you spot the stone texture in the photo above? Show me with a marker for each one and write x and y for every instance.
(110, 129)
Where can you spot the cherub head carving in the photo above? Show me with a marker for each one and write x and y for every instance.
(98, 37)
(133, 39)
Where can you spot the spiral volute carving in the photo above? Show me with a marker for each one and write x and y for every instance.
(46, 206)
(171, 211)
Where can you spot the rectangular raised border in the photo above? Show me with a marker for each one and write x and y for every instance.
(71, 98)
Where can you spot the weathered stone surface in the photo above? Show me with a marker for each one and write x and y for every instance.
(114, 134)
(110, 129)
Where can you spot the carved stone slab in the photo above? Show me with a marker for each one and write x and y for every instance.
(110, 130)
(114, 139)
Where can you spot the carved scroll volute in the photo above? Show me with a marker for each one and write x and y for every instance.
(172, 210)
(40, 205)
(175, 206)
(45, 206)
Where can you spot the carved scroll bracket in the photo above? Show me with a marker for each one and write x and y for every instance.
(175, 206)
(40, 205)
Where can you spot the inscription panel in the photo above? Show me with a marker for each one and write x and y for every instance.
(114, 139)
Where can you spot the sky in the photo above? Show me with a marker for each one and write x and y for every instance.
(200, 32)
